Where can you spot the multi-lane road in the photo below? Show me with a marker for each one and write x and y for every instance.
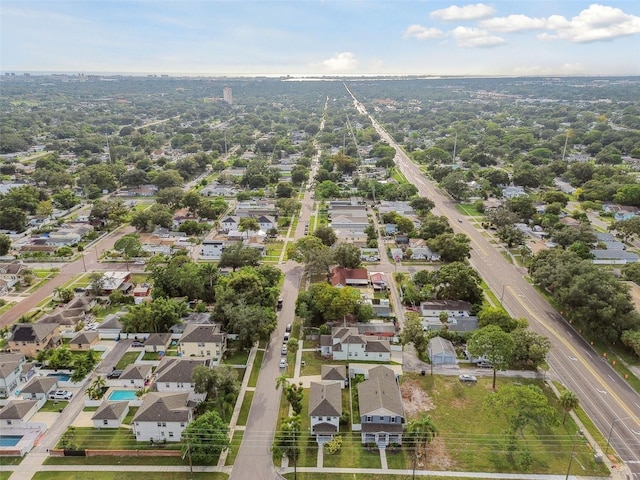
(608, 399)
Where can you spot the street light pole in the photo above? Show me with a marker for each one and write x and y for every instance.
(606, 450)
(573, 449)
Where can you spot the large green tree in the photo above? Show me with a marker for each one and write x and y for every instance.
(205, 438)
(494, 345)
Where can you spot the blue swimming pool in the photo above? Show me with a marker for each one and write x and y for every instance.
(62, 377)
(9, 440)
(122, 395)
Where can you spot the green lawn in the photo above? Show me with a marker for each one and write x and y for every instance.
(53, 406)
(5, 475)
(83, 475)
(127, 359)
(313, 362)
(244, 409)
(237, 357)
(113, 439)
(353, 454)
(105, 460)
(130, 414)
(360, 476)
(12, 460)
(236, 440)
(257, 363)
(468, 209)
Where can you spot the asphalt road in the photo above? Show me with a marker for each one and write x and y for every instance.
(609, 401)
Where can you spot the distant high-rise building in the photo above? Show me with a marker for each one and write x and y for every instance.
(227, 95)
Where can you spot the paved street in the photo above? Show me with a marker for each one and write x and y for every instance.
(612, 404)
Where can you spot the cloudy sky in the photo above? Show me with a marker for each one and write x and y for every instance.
(311, 37)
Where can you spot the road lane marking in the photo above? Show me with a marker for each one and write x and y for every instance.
(623, 406)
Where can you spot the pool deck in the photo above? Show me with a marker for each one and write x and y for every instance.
(30, 437)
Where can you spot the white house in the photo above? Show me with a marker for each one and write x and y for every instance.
(11, 272)
(453, 308)
(211, 249)
(17, 413)
(513, 192)
(266, 223)
(10, 372)
(325, 409)
(135, 376)
(229, 223)
(110, 414)
(38, 388)
(157, 342)
(203, 341)
(163, 416)
(345, 343)
(335, 373)
(174, 374)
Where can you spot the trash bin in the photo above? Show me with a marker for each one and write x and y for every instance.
(423, 373)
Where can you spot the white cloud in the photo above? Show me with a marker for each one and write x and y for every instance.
(467, 12)
(475, 37)
(598, 22)
(595, 23)
(340, 63)
(422, 33)
(514, 23)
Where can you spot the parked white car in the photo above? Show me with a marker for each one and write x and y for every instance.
(61, 395)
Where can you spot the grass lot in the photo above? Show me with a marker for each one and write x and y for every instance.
(353, 453)
(257, 363)
(5, 475)
(371, 476)
(140, 278)
(237, 357)
(472, 438)
(53, 406)
(151, 356)
(104, 460)
(313, 362)
(244, 409)
(127, 476)
(236, 440)
(113, 439)
(90, 409)
(127, 359)
(11, 460)
(468, 209)
(130, 414)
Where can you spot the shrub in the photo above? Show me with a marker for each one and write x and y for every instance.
(334, 445)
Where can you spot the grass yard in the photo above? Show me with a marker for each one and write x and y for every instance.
(104, 460)
(236, 357)
(368, 476)
(353, 454)
(140, 278)
(5, 475)
(90, 409)
(12, 460)
(469, 210)
(245, 408)
(127, 359)
(313, 362)
(236, 440)
(471, 438)
(130, 414)
(53, 406)
(255, 371)
(83, 475)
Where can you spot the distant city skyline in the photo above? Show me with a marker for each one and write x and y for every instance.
(312, 38)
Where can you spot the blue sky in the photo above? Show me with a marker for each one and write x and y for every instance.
(305, 37)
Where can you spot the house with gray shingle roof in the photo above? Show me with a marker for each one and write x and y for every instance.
(157, 342)
(17, 413)
(110, 414)
(83, 341)
(381, 408)
(442, 352)
(135, 376)
(325, 409)
(346, 343)
(38, 388)
(336, 373)
(163, 416)
(203, 341)
(174, 374)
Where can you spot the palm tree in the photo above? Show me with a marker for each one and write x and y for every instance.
(569, 401)
(282, 381)
(421, 431)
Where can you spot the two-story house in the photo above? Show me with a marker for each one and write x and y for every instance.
(212, 249)
(325, 409)
(345, 343)
(174, 374)
(11, 272)
(163, 416)
(203, 341)
(31, 338)
(10, 372)
(453, 308)
(381, 408)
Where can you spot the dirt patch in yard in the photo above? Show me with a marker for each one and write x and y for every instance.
(415, 399)
(437, 457)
